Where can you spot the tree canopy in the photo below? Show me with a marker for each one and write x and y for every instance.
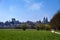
(55, 21)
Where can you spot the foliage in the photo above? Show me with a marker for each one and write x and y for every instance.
(47, 27)
(24, 26)
(38, 26)
(55, 21)
(43, 27)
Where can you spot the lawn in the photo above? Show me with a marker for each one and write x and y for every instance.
(16, 34)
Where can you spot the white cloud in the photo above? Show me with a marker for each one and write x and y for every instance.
(35, 6)
(28, 1)
(32, 5)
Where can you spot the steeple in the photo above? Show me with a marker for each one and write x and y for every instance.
(45, 20)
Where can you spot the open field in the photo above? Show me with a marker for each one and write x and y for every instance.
(16, 34)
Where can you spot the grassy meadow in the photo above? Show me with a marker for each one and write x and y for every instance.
(18, 34)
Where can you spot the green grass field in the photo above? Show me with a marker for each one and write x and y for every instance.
(16, 34)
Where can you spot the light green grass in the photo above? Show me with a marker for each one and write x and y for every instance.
(16, 34)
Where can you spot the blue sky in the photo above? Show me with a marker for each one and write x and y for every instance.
(24, 10)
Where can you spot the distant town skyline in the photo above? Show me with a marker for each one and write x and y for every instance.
(24, 10)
